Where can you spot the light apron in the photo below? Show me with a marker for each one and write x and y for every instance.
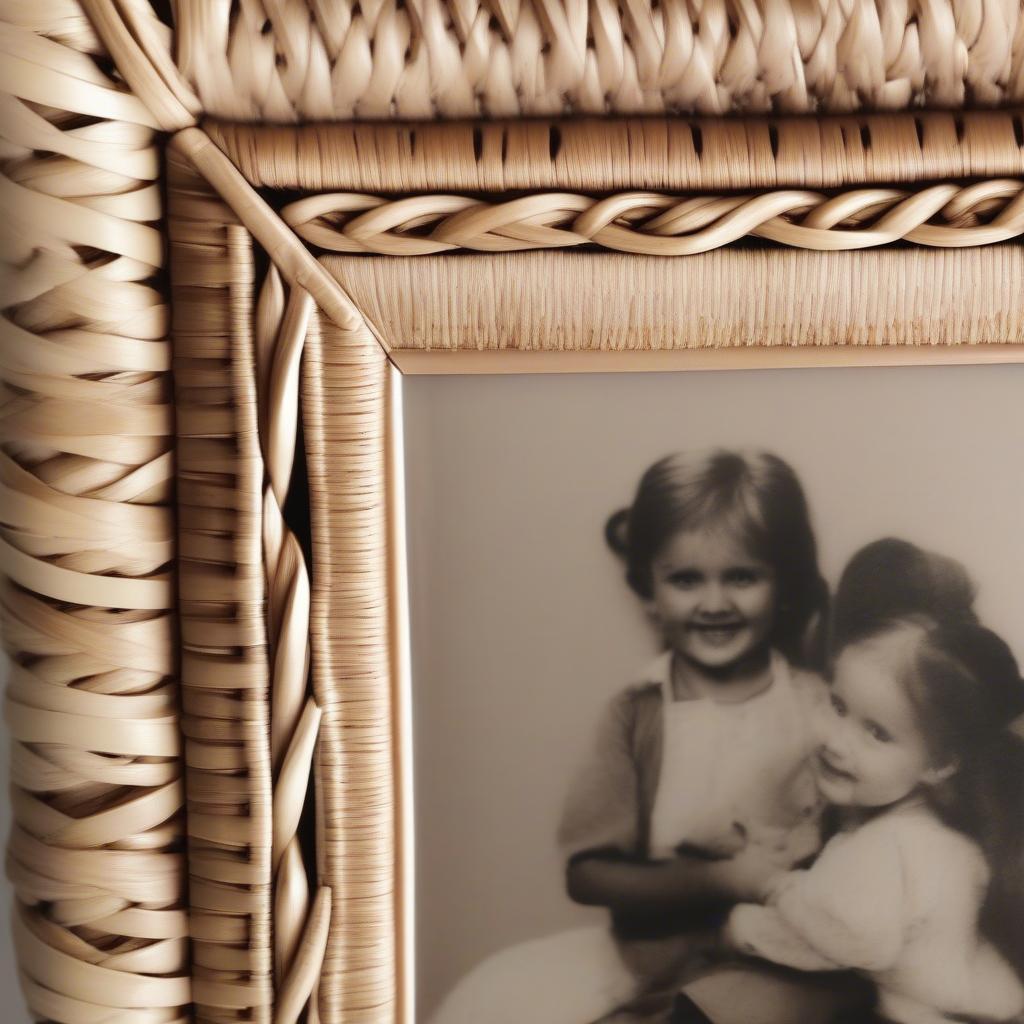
(735, 772)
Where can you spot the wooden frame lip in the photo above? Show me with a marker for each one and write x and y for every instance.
(439, 362)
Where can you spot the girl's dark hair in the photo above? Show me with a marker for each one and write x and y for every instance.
(753, 494)
(966, 689)
(892, 578)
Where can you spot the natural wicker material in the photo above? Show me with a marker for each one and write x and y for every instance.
(728, 298)
(85, 469)
(96, 854)
(313, 60)
(541, 304)
(947, 216)
(665, 154)
(346, 396)
(244, 594)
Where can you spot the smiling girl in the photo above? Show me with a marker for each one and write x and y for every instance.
(921, 888)
(698, 788)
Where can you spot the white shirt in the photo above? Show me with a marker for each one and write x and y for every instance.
(899, 899)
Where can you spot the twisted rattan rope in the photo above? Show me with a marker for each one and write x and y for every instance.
(946, 215)
(281, 329)
(95, 854)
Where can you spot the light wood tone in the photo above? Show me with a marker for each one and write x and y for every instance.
(313, 61)
(306, 60)
(568, 302)
(415, 362)
(946, 215)
(102, 923)
(225, 674)
(346, 396)
(96, 852)
(281, 244)
(671, 154)
(251, 726)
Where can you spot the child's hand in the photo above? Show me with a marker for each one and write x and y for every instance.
(791, 845)
(750, 875)
(720, 848)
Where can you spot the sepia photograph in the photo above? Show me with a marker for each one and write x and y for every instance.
(716, 696)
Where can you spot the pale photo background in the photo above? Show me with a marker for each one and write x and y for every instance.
(522, 625)
(12, 1009)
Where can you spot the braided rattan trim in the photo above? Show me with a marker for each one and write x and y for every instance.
(668, 154)
(314, 61)
(554, 302)
(649, 223)
(251, 728)
(96, 851)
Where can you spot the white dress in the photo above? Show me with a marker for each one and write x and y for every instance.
(898, 899)
(722, 765)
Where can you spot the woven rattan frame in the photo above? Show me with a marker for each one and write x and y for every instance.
(879, 305)
(113, 880)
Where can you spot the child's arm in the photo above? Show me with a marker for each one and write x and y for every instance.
(603, 820)
(673, 885)
(765, 933)
(846, 911)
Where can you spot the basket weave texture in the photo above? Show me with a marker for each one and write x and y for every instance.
(164, 727)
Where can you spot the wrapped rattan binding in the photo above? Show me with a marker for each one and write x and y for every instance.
(590, 154)
(645, 187)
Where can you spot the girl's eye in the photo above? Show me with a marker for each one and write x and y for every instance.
(742, 577)
(838, 705)
(877, 733)
(685, 579)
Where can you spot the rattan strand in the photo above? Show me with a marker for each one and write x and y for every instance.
(669, 154)
(604, 302)
(649, 223)
(285, 250)
(311, 60)
(96, 849)
(224, 673)
(345, 414)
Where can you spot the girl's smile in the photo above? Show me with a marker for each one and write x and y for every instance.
(873, 752)
(714, 600)
(832, 772)
(718, 634)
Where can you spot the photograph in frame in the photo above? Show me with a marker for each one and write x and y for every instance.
(757, 759)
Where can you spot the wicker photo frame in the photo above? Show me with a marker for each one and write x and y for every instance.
(203, 516)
